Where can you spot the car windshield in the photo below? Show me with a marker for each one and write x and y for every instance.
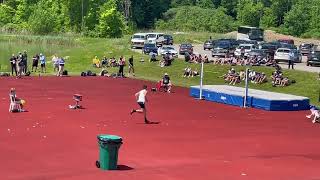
(245, 47)
(283, 51)
(150, 45)
(316, 53)
(222, 45)
(152, 35)
(186, 45)
(138, 37)
(307, 46)
(167, 37)
(168, 48)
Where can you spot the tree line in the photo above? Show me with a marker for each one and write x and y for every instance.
(113, 18)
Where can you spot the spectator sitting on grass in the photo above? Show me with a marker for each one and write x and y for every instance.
(235, 78)
(187, 72)
(153, 57)
(195, 73)
(206, 59)
(242, 75)
(104, 62)
(228, 77)
(262, 78)
(113, 62)
(96, 62)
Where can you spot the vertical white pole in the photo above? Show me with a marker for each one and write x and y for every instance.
(201, 80)
(246, 89)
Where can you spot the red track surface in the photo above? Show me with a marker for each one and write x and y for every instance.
(195, 139)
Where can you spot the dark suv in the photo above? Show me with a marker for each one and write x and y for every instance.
(305, 48)
(150, 47)
(314, 58)
(168, 39)
(208, 45)
(185, 47)
(223, 48)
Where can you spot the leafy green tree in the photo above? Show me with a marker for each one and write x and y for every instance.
(297, 20)
(111, 24)
(42, 19)
(268, 19)
(6, 14)
(194, 18)
(205, 4)
(249, 13)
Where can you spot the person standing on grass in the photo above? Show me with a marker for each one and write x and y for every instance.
(122, 62)
(141, 97)
(20, 68)
(61, 66)
(35, 62)
(55, 62)
(13, 63)
(43, 63)
(25, 61)
(131, 68)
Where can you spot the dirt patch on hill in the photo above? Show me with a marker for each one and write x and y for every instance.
(272, 36)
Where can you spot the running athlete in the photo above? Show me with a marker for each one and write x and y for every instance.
(141, 97)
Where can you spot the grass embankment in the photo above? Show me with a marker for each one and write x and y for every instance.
(82, 50)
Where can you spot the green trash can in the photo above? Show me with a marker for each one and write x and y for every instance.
(109, 146)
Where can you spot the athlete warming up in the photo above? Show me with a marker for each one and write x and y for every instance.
(141, 97)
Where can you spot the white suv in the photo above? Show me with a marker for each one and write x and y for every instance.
(138, 40)
(247, 48)
(283, 54)
(157, 38)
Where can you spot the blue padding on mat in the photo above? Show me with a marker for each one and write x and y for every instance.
(257, 99)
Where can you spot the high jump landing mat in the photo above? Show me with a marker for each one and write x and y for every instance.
(266, 100)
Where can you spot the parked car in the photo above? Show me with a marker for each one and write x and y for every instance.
(156, 38)
(258, 53)
(247, 42)
(297, 56)
(247, 48)
(185, 47)
(283, 54)
(168, 40)
(138, 40)
(222, 48)
(305, 48)
(288, 46)
(269, 48)
(288, 41)
(168, 50)
(314, 58)
(208, 45)
(150, 47)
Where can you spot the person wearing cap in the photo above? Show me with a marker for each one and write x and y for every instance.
(166, 82)
(13, 63)
(43, 63)
(314, 112)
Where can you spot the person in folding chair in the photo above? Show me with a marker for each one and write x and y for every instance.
(165, 83)
(314, 112)
(16, 104)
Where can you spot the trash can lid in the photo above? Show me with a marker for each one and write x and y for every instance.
(109, 138)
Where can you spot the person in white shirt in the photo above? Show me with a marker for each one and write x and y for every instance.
(315, 113)
(141, 97)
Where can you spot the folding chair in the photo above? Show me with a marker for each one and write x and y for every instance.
(14, 105)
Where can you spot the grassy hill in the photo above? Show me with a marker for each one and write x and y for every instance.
(81, 51)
